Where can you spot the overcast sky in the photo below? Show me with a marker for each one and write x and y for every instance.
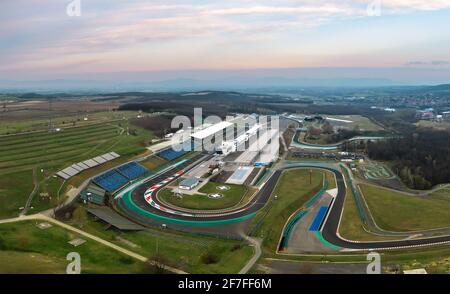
(38, 40)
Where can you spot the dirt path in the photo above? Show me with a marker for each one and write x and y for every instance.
(257, 246)
(42, 217)
(32, 194)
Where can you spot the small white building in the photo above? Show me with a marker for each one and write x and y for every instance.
(189, 183)
(419, 271)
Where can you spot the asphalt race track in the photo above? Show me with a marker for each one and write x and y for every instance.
(137, 196)
(147, 213)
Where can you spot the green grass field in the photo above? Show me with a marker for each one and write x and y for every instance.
(181, 250)
(351, 226)
(20, 154)
(293, 190)
(331, 180)
(443, 194)
(14, 191)
(32, 250)
(362, 122)
(398, 212)
(230, 198)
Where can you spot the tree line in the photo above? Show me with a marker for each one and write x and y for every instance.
(420, 158)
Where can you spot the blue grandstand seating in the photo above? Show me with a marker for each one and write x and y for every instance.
(170, 154)
(131, 170)
(111, 180)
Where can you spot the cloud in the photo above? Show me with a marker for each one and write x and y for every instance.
(420, 5)
(440, 62)
(428, 63)
(415, 62)
(39, 30)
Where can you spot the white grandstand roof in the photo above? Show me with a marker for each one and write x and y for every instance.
(90, 163)
(80, 166)
(107, 156)
(83, 165)
(63, 175)
(99, 159)
(77, 167)
(70, 171)
(205, 133)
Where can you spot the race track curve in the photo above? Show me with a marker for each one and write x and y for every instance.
(140, 208)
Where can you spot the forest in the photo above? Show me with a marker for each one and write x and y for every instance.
(420, 158)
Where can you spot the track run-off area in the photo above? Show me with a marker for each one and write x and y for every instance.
(138, 201)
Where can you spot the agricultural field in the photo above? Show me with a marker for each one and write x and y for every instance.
(231, 197)
(445, 125)
(10, 126)
(398, 212)
(30, 160)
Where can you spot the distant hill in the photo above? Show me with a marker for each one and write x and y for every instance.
(182, 84)
(439, 88)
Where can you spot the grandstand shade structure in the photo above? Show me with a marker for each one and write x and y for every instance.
(71, 171)
(99, 159)
(82, 165)
(108, 156)
(76, 168)
(90, 163)
(63, 175)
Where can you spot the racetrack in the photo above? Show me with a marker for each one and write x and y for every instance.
(137, 207)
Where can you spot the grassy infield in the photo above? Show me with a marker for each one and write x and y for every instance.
(295, 188)
(232, 197)
(405, 213)
(362, 122)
